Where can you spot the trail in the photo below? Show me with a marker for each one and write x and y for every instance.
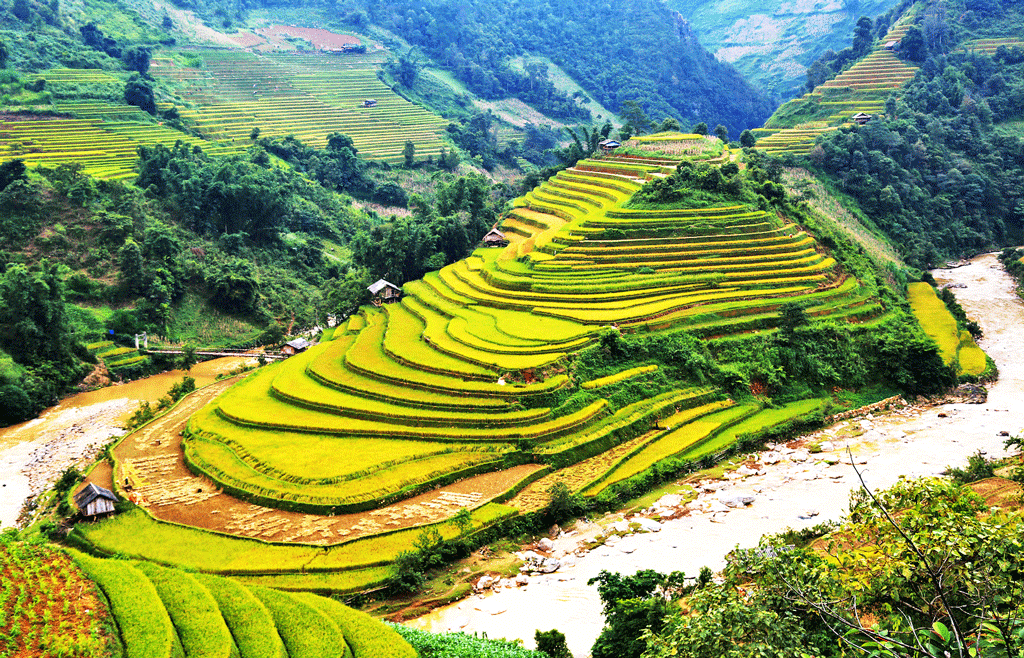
(797, 492)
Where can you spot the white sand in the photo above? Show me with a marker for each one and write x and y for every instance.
(911, 444)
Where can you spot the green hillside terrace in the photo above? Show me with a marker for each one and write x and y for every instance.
(474, 368)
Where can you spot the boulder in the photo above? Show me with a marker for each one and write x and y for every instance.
(669, 500)
(771, 458)
(485, 582)
(545, 544)
(809, 514)
(649, 525)
(522, 579)
(717, 506)
(736, 498)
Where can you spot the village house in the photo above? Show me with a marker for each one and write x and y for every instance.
(861, 118)
(93, 501)
(295, 346)
(384, 292)
(495, 238)
(608, 145)
(370, 102)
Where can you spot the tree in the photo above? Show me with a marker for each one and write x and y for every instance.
(552, 643)
(747, 139)
(913, 45)
(409, 152)
(4, 54)
(669, 124)
(188, 357)
(634, 120)
(563, 504)
(633, 605)
(862, 37)
(139, 92)
(132, 271)
(137, 58)
(700, 129)
(722, 133)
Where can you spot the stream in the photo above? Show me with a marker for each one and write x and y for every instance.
(916, 441)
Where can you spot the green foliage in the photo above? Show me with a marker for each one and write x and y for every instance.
(139, 92)
(460, 645)
(978, 468)
(552, 643)
(563, 503)
(702, 86)
(632, 606)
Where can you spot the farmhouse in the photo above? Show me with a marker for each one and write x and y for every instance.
(384, 292)
(295, 346)
(891, 45)
(861, 118)
(608, 145)
(370, 102)
(95, 501)
(495, 238)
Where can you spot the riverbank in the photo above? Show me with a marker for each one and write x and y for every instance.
(33, 454)
(798, 490)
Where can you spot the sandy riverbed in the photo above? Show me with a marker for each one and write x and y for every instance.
(33, 454)
(914, 442)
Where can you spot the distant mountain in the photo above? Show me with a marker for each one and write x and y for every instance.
(637, 50)
(772, 42)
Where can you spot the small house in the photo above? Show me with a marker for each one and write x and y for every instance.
(495, 238)
(891, 45)
(293, 347)
(95, 501)
(861, 118)
(370, 102)
(384, 292)
(608, 145)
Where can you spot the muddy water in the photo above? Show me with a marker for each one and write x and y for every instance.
(915, 442)
(34, 453)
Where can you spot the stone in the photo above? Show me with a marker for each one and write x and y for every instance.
(809, 514)
(522, 579)
(549, 565)
(771, 458)
(744, 471)
(611, 540)
(800, 456)
(545, 544)
(554, 531)
(718, 506)
(485, 582)
(827, 446)
(649, 525)
(736, 498)
(669, 500)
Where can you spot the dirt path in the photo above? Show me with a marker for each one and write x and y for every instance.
(151, 461)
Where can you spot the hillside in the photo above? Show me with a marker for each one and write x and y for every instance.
(649, 314)
(773, 43)
(937, 164)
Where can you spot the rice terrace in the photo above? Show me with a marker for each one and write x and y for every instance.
(468, 391)
(454, 298)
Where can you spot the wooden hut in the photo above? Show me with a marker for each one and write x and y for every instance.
(370, 102)
(608, 145)
(495, 238)
(861, 118)
(293, 347)
(891, 45)
(95, 501)
(384, 292)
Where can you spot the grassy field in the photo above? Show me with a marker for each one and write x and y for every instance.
(956, 345)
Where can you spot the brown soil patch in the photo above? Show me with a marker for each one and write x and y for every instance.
(321, 39)
(58, 598)
(152, 462)
(999, 492)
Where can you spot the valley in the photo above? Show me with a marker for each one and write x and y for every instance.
(484, 277)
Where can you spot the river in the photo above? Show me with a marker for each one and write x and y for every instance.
(914, 442)
(34, 453)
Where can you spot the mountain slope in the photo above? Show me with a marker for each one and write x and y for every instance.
(772, 42)
(637, 50)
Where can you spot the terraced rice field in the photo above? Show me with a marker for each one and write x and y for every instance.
(163, 613)
(309, 95)
(465, 374)
(861, 88)
(957, 346)
(103, 137)
(990, 46)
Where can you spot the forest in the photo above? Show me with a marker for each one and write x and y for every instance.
(939, 172)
